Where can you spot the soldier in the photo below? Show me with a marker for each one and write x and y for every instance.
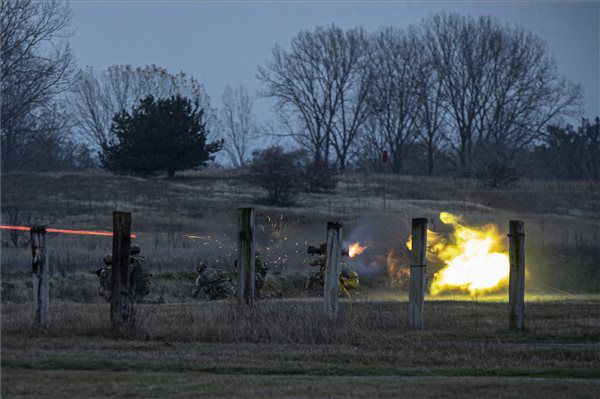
(212, 283)
(260, 270)
(105, 277)
(319, 275)
(348, 277)
(139, 278)
(139, 275)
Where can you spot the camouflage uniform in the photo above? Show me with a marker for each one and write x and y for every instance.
(212, 284)
(260, 270)
(348, 277)
(139, 275)
(105, 278)
(317, 276)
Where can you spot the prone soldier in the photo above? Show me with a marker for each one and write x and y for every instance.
(212, 284)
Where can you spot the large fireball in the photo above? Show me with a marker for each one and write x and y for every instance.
(475, 258)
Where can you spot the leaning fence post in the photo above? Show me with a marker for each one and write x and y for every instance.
(516, 283)
(246, 256)
(416, 298)
(40, 276)
(120, 308)
(332, 269)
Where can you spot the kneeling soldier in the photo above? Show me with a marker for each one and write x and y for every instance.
(105, 274)
(139, 278)
(139, 275)
(348, 276)
(260, 273)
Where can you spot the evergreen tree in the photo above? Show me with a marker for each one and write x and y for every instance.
(167, 134)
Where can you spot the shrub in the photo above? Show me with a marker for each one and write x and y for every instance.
(319, 177)
(278, 172)
(497, 165)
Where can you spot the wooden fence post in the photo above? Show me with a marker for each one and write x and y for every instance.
(120, 307)
(246, 256)
(332, 269)
(416, 298)
(516, 283)
(40, 276)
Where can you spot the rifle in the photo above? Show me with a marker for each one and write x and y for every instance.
(317, 251)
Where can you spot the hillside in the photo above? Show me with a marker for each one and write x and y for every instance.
(190, 218)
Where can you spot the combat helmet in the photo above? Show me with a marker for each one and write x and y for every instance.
(134, 249)
(107, 259)
(348, 272)
(201, 267)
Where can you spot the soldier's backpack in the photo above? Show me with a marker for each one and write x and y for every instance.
(140, 275)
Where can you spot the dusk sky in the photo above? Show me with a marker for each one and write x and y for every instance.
(222, 44)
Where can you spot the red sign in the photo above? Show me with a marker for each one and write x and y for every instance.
(384, 157)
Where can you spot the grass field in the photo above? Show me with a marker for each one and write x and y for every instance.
(561, 219)
(284, 347)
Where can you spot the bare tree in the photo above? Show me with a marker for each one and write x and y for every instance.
(457, 48)
(316, 85)
(526, 94)
(370, 146)
(431, 113)
(499, 86)
(355, 94)
(98, 97)
(394, 100)
(37, 67)
(238, 125)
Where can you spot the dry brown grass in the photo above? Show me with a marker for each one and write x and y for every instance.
(562, 219)
(286, 347)
(375, 323)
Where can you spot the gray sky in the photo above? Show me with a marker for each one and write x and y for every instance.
(222, 44)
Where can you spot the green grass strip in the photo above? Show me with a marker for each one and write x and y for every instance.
(60, 364)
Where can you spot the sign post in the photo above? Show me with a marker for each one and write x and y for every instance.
(40, 276)
(384, 159)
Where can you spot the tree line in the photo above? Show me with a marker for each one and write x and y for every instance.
(451, 95)
(459, 94)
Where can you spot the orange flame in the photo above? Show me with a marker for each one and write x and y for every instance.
(475, 258)
(355, 249)
(64, 231)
